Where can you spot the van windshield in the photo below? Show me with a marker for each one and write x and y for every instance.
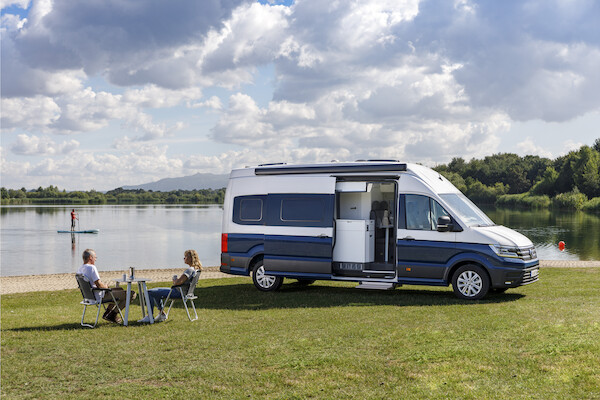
(466, 210)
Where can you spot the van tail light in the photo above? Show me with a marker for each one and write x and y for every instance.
(223, 243)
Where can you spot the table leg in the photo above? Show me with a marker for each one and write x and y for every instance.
(147, 297)
(126, 321)
(142, 301)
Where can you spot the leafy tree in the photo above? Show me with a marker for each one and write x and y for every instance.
(547, 185)
(565, 167)
(587, 172)
(457, 165)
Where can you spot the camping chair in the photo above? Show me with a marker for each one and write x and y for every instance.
(186, 296)
(89, 298)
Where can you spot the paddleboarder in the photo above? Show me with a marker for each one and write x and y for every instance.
(73, 218)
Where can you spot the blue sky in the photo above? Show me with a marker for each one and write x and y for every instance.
(100, 94)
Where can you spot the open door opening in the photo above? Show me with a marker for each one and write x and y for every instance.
(365, 229)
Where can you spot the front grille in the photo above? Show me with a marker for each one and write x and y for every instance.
(530, 275)
(527, 253)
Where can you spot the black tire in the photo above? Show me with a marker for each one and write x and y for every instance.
(470, 282)
(263, 282)
(305, 282)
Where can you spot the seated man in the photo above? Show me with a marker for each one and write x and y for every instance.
(89, 270)
(158, 294)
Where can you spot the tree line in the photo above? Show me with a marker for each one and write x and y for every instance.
(53, 195)
(571, 181)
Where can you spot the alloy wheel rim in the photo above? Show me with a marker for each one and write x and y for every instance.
(265, 281)
(469, 283)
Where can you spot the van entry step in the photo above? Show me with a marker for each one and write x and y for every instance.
(376, 285)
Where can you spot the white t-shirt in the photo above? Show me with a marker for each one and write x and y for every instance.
(91, 274)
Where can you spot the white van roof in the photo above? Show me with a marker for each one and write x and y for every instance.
(431, 178)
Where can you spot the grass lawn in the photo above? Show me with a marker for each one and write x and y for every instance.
(326, 340)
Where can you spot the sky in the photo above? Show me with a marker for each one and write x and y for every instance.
(104, 93)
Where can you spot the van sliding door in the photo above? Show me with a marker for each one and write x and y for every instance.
(299, 231)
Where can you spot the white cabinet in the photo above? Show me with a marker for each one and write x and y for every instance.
(354, 241)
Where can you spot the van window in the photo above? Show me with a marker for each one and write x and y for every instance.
(251, 209)
(248, 210)
(422, 212)
(308, 210)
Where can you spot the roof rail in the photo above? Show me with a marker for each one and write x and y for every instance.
(322, 169)
(378, 160)
(276, 163)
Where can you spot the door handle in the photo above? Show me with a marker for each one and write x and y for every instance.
(408, 238)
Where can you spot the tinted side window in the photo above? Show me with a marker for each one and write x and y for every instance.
(308, 210)
(437, 211)
(249, 210)
(417, 212)
(422, 212)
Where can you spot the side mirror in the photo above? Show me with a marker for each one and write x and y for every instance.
(444, 224)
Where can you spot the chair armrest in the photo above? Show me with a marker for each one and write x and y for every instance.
(176, 286)
(102, 289)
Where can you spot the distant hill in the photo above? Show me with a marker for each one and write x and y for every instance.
(197, 181)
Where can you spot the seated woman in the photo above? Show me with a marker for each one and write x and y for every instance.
(158, 294)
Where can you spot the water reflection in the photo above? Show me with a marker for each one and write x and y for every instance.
(580, 231)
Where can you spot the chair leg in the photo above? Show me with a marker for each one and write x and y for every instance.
(186, 309)
(98, 314)
(195, 313)
(83, 316)
(165, 304)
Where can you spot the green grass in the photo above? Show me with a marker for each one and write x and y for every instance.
(327, 340)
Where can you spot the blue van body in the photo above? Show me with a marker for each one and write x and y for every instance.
(383, 224)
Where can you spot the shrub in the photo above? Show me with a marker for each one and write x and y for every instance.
(573, 200)
(523, 200)
(592, 205)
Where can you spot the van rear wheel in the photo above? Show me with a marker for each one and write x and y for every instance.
(470, 282)
(265, 282)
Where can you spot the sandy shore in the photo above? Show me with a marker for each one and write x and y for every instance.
(51, 282)
(38, 283)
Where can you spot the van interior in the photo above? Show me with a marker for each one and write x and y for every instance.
(365, 234)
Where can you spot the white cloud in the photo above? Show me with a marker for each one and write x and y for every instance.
(36, 113)
(41, 146)
(213, 103)
(528, 146)
(153, 96)
(414, 80)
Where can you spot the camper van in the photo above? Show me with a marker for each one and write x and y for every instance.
(382, 224)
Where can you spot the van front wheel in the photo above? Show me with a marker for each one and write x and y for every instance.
(470, 282)
(265, 282)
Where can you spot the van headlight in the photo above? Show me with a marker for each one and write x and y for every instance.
(506, 251)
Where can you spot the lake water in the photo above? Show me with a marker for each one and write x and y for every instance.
(140, 236)
(156, 236)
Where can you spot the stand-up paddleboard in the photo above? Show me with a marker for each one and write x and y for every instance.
(86, 231)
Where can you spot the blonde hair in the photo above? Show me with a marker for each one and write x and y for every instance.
(195, 259)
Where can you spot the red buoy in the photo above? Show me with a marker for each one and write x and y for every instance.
(561, 245)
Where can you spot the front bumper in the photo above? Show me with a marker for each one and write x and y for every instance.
(509, 278)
